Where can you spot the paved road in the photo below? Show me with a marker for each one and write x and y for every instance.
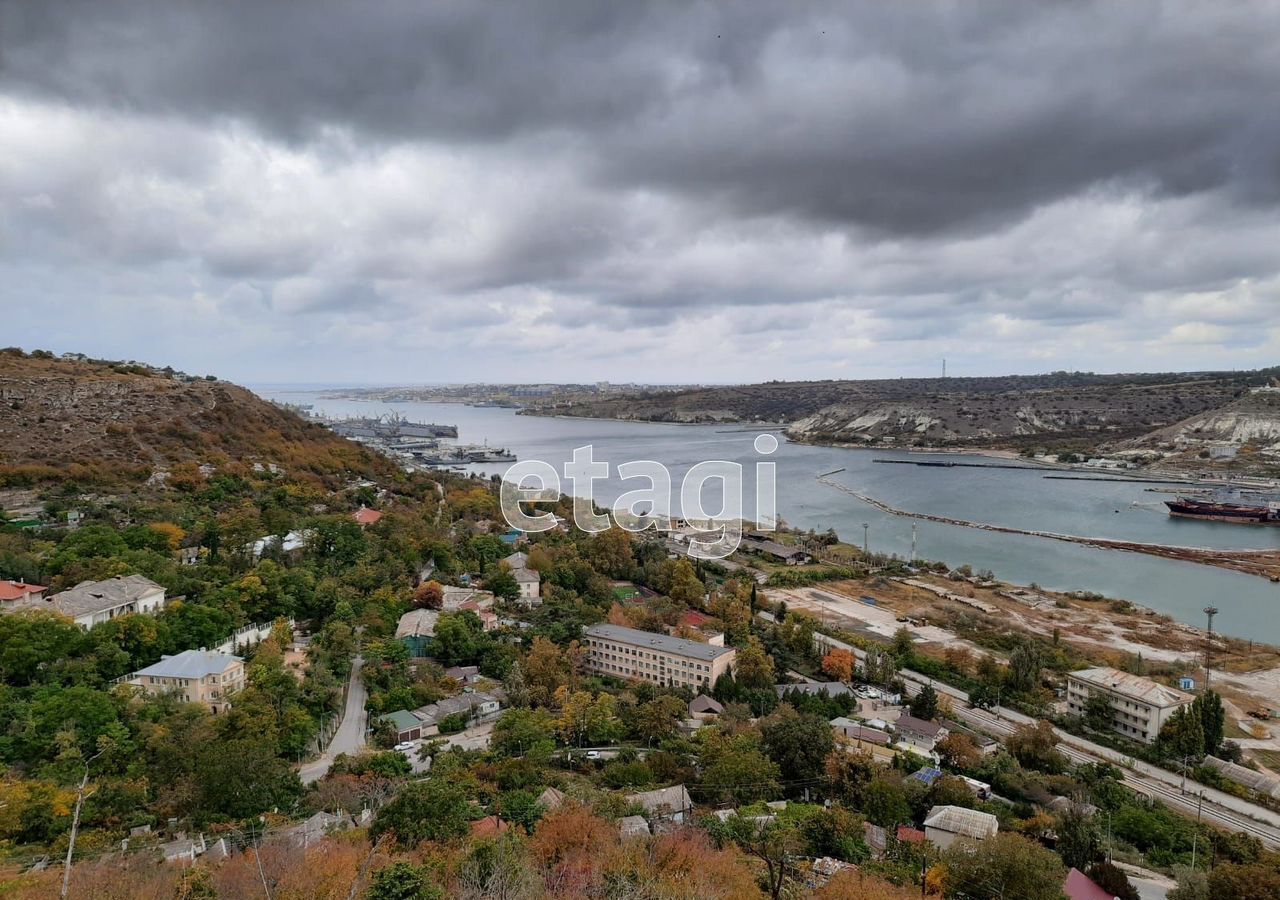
(349, 737)
(474, 738)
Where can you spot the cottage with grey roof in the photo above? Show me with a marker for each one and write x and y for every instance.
(946, 824)
(671, 804)
(91, 603)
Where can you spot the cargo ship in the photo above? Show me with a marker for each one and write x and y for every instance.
(1244, 509)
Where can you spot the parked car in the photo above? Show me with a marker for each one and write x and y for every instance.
(405, 746)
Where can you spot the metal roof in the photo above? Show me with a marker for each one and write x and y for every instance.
(662, 642)
(958, 820)
(190, 664)
(1134, 687)
(97, 596)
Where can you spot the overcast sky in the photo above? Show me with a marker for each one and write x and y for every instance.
(441, 191)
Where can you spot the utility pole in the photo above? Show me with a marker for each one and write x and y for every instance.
(1209, 611)
(1195, 835)
(913, 543)
(75, 826)
(865, 529)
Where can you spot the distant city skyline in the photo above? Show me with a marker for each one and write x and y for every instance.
(575, 192)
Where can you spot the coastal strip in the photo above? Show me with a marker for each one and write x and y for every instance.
(1262, 563)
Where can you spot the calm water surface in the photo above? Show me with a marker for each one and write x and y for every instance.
(1018, 498)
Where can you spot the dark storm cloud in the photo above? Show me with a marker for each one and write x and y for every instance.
(903, 118)
(1071, 183)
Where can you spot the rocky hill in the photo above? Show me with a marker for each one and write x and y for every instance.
(1250, 423)
(1062, 411)
(98, 421)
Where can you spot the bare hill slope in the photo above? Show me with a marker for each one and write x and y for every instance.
(101, 421)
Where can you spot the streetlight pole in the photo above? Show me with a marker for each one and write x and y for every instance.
(865, 529)
(1209, 611)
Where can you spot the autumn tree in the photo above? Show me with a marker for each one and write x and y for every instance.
(610, 552)
(429, 595)
(775, 842)
(838, 665)
(1036, 746)
(545, 671)
(957, 751)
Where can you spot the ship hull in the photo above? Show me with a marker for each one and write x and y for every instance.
(1220, 512)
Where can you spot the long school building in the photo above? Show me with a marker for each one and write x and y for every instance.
(657, 658)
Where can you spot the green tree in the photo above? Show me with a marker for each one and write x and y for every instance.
(521, 732)
(431, 810)
(776, 843)
(902, 642)
(1113, 880)
(754, 667)
(520, 808)
(924, 705)
(1079, 842)
(503, 584)
(1098, 713)
(658, 718)
(1025, 663)
(799, 744)
(459, 638)
(403, 881)
(1182, 736)
(1208, 708)
(885, 802)
(735, 769)
(1001, 867)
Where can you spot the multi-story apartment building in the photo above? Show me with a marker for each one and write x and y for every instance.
(200, 676)
(1139, 705)
(659, 658)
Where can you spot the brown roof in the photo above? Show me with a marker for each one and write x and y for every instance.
(17, 590)
(487, 826)
(366, 516)
(911, 835)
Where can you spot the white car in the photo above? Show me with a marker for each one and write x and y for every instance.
(405, 746)
(593, 754)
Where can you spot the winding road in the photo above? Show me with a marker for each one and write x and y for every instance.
(349, 737)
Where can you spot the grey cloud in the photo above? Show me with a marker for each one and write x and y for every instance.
(905, 119)
(958, 176)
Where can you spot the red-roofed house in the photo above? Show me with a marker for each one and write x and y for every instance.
(365, 516)
(1080, 886)
(20, 591)
(488, 826)
(693, 619)
(911, 835)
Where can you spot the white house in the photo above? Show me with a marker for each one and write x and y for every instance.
(530, 584)
(946, 824)
(91, 603)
